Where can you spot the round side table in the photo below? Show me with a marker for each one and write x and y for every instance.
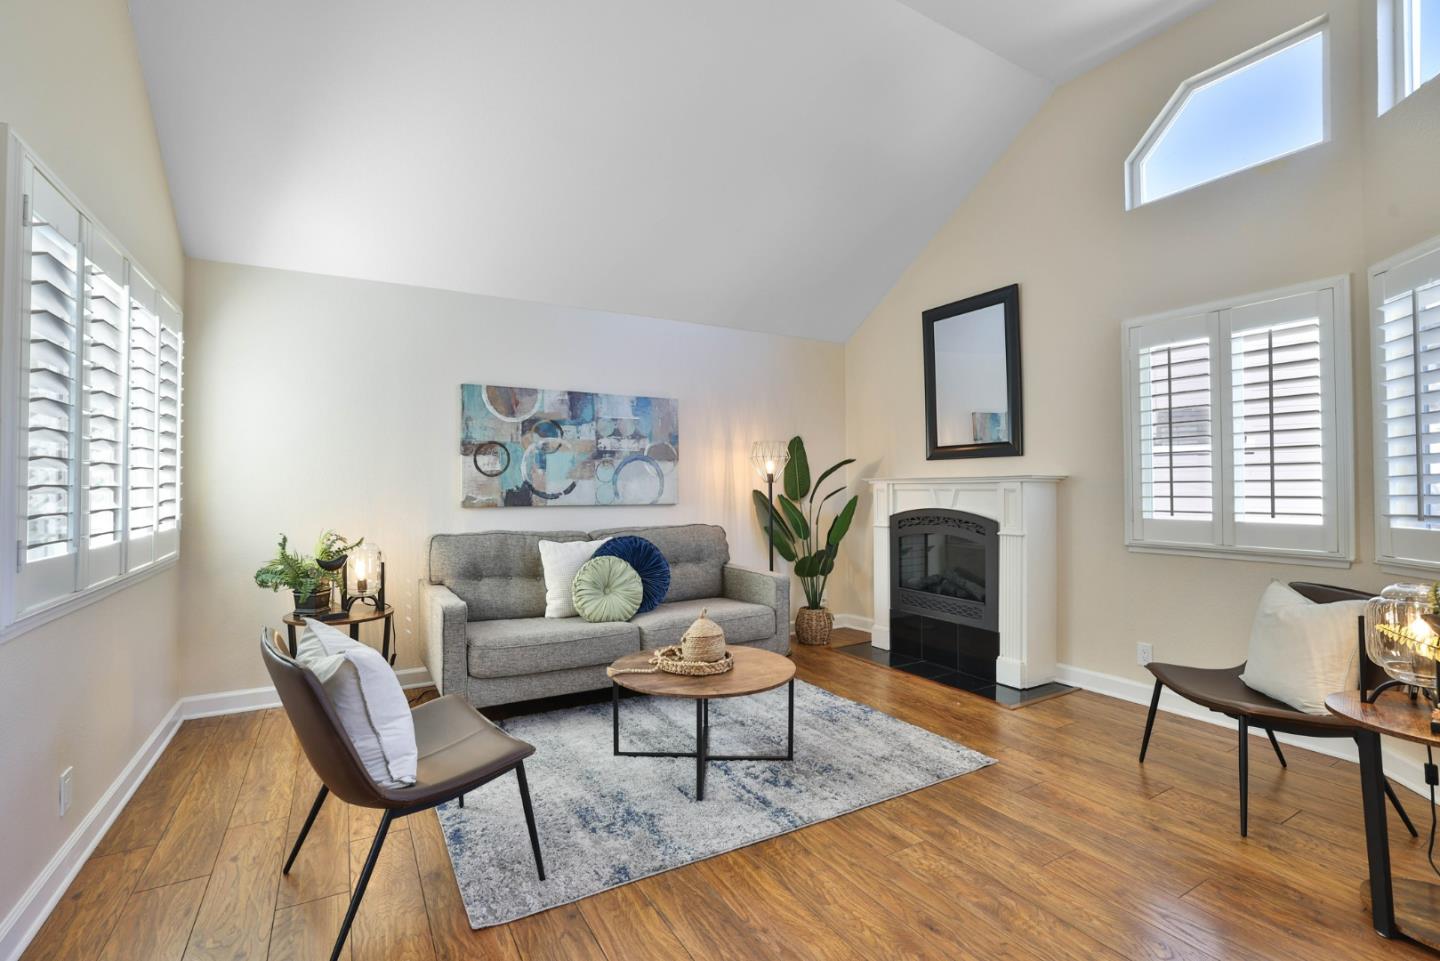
(357, 615)
(1417, 901)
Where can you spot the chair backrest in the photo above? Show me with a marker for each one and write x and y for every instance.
(1371, 674)
(321, 735)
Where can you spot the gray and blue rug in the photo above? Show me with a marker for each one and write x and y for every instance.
(605, 820)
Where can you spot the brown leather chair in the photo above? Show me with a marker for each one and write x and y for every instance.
(459, 751)
(1221, 690)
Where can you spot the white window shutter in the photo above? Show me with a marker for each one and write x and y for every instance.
(1405, 332)
(51, 382)
(140, 494)
(1283, 423)
(103, 435)
(167, 420)
(1173, 430)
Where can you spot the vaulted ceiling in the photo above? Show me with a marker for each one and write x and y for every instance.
(764, 164)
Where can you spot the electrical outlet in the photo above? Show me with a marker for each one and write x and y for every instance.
(1143, 654)
(67, 784)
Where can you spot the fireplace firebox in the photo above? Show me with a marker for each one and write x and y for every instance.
(944, 592)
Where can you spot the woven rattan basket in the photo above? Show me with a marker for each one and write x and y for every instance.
(704, 640)
(672, 660)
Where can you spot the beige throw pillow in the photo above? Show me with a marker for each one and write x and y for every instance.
(1301, 651)
(561, 561)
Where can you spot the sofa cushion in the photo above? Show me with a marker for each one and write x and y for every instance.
(497, 574)
(515, 646)
(697, 554)
(741, 622)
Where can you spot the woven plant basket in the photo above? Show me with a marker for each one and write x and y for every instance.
(812, 625)
(704, 640)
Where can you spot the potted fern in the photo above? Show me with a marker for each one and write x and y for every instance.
(309, 579)
(794, 530)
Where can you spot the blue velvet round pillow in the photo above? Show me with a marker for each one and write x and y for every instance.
(649, 563)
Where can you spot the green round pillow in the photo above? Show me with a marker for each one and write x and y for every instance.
(607, 589)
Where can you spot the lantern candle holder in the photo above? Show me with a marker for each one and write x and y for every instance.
(364, 578)
(1404, 639)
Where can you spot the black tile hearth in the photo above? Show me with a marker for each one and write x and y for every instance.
(943, 674)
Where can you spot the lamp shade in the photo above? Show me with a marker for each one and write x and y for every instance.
(1401, 633)
(364, 573)
(768, 457)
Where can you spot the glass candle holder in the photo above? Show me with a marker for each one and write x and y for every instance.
(1397, 630)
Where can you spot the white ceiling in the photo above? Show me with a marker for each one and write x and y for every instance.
(764, 164)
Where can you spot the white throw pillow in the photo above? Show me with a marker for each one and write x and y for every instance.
(368, 698)
(1301, 651)
(562, 560)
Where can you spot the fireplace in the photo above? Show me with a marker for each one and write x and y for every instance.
(944, 592)
(964, 585)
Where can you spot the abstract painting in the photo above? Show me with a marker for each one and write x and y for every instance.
(529, 447)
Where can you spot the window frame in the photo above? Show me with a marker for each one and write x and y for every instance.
(16, 158)
(1398, 52)
(1388, 554)
(1135, 161)
(1338, 465)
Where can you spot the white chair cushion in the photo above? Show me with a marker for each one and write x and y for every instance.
(368, 698)
(562, 560)
(1301, 651)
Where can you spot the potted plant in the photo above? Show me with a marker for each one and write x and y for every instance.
(794, 528)
(301, 575)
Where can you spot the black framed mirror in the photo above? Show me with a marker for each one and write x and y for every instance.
(972, 377)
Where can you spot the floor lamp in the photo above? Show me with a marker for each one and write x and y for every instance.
(769, 457)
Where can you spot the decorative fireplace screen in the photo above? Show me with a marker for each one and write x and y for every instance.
(944, 564)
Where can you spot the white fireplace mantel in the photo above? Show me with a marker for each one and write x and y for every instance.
(1024, 507)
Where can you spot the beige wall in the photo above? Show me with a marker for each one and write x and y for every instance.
(275, 365)
(1051, 216)
(87, 689)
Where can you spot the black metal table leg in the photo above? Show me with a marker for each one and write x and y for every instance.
(700, 704)
(790, 744)
(1377, 836)
(615, 714)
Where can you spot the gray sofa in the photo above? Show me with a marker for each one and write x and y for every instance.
(487, 637)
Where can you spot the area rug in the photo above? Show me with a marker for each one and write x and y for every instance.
(605, 821)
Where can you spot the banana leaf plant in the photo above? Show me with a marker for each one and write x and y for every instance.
(797, 522)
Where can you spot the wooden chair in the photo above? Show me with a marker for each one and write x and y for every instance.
(459, 751)
(1221, 690)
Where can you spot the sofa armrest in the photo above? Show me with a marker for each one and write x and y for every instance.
(760, 587)
(445, 645)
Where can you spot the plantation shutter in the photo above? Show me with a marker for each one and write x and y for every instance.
(1282, 436)
(167, 453)
(103, 450)
(1173, 379)
(144, 366)
(1407, 392)
(49, 426)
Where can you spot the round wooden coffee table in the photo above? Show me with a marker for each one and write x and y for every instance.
(755, 672)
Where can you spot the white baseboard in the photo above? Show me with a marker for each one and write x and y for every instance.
(1402, 770)
(24, 920)
(854, 621)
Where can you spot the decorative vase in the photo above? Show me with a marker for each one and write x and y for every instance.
(813, 624)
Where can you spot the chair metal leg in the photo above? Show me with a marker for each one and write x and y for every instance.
(362, 882)
(1150, 720)
(462, 800)
(1244, 777)
(1400, 809)
(529, 817)
(1276, 745)
(305, 828)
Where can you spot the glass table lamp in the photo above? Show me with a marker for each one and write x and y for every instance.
(365, 577)
(1403, 637)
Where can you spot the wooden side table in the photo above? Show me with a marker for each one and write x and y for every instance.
(358, 614)
(1418, 901)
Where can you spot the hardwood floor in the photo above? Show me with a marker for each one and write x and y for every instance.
(1067, 849)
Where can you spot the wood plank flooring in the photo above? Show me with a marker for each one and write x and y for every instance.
(1067, 850)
